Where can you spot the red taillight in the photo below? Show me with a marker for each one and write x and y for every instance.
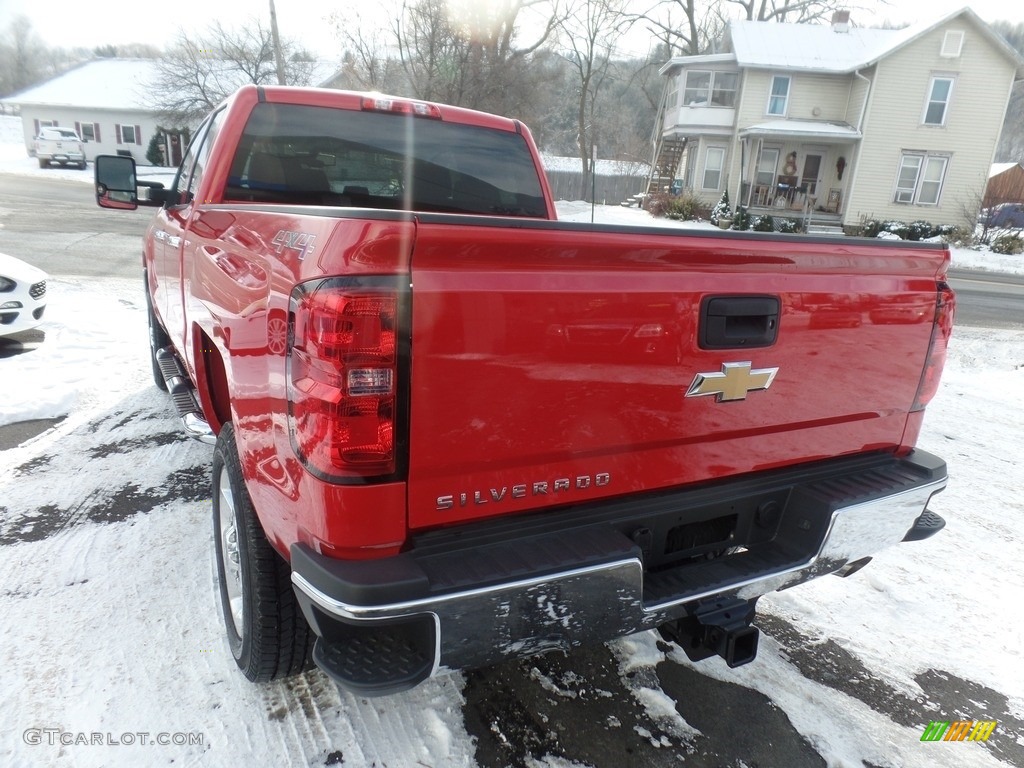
(942, 329)
(343, 379)
(401, 107)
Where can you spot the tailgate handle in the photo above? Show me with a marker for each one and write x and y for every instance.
(738, 322)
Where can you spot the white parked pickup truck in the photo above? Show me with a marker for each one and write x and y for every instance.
(59, 145)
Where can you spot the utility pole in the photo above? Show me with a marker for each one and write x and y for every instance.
(277, 45)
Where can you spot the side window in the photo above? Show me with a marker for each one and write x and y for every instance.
(193, 165)
(938, 101)
(714, 160)
(778, 101)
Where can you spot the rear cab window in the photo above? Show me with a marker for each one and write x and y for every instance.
(336, 157)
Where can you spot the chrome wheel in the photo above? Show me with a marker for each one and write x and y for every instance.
(231, 572)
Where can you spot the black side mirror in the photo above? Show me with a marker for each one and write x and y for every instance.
(117, 184)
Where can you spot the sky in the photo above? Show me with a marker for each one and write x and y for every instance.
(309, 21)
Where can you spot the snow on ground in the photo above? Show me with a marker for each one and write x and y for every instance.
(129, 645)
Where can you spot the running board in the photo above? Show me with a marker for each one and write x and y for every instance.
(183, 394)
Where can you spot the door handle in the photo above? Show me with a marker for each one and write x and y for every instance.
(738, 322)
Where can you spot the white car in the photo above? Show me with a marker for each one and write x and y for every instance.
(22, 295)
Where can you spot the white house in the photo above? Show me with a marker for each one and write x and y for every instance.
(109, 102)
(841, 122)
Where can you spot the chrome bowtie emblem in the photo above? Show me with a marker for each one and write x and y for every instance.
(733, 383)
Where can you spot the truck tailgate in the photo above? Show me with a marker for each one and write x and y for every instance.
(551, 362)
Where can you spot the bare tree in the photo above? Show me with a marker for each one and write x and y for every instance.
(590, 32)
(1011, 141)
(22, 57)
(455, 51)
(685, 27)
(370, 61)
(197, 73)
(791, 11)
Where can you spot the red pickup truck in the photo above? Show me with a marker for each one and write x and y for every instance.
(450, 429)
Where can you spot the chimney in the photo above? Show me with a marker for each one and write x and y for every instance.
(841, 21)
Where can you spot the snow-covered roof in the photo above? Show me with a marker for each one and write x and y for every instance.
(821, 48)
(806, 129)
(711, 58)
(121, 84)
(815, 47)
(603, 167)
(998, 168)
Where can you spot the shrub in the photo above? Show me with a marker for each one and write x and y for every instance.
(153, 153)
(919, 230)
(722, 210)
(898, 228)
(656, 204)
(787, 226)
(1008, 244)
(741, 220)
(763, 223)
(870, 228)
(686, 207)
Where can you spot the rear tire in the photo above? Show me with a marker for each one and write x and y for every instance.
(267, 633)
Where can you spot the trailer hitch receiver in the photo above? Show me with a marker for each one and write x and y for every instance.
(721, 627)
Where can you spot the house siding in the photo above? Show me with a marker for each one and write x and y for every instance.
(106, 119)
(894, 124)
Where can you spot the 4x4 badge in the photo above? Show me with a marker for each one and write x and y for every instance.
(733, 383)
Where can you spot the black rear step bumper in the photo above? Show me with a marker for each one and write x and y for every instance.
(463, 601)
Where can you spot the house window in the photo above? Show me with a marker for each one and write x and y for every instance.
(88, 131)
(698, 88)
(952, 44)
(778, 102)
(766, 166)
(128, 134)
(673, 95)
(717, 89)
(713, 162)
(723, 91)
(920, 177)
(938, 101)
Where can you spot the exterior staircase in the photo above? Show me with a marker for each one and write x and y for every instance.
(666, 160)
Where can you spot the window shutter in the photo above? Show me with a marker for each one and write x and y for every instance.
(96, 130)
(138, 134)
(117, 128)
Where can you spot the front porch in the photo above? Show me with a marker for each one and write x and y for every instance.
(797, 169)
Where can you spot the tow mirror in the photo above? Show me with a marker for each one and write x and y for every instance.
(117, 184)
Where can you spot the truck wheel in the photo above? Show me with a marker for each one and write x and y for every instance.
(157, 340)
(43, 163)
(267, 633)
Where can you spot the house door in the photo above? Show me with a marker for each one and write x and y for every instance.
(810, 176)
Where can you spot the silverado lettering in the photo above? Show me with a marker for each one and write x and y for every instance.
(452, 334)
(581, 482)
